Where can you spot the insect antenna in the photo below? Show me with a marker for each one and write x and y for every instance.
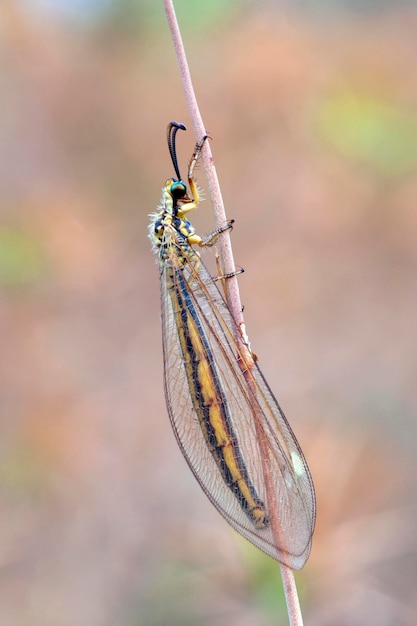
(172, 129)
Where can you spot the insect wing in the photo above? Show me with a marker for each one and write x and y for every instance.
(188, 285)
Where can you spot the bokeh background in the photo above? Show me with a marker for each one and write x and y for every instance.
(313, 112)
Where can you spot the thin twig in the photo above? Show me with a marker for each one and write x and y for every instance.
(226, 253)
(227, 263)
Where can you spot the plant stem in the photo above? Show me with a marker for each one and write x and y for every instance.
(228, 266)
(226, 253)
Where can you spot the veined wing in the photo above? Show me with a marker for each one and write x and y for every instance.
(203, 363)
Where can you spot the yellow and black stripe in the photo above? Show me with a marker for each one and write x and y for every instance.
(209, 399)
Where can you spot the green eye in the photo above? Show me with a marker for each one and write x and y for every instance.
(178, 190)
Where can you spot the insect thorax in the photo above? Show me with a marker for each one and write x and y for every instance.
(169, 231)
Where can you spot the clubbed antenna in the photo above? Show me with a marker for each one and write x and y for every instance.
(171, 132)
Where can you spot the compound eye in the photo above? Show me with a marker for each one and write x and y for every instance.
(178, 190)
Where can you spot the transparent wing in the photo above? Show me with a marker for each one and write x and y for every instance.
(253, 411)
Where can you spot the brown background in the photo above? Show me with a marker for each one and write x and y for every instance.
(313, 114)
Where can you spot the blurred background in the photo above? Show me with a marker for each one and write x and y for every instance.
(313, 112)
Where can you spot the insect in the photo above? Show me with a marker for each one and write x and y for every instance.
(227, 422)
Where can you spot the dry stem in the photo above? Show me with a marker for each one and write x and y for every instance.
(232, 289)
